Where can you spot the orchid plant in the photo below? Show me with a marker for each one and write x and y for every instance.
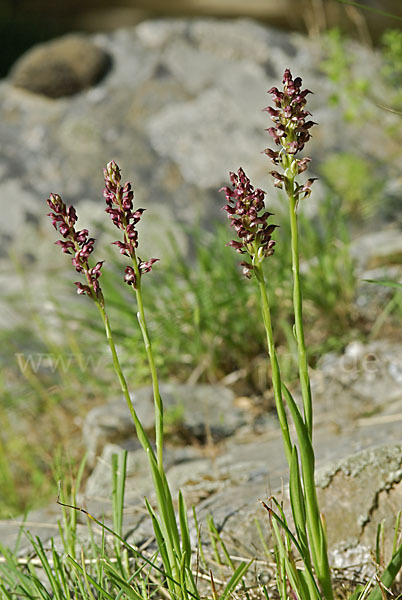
(173, 540)
(245, 206)
(246, 210)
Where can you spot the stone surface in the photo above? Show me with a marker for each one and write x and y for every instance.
(192, 413)
(358, 407)
(356, 387)
(358, 493)
(377, 249)
(61, 67)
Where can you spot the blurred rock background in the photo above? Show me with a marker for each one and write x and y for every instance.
(26, 22)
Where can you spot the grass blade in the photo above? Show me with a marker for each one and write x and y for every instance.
(386, 283)
(235, 579)
(388, 577)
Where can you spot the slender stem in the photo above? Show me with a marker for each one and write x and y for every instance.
(164, 500)
(298, 310)
(317, 535)
(142, 436)
(276, 375)
(130, 245)
(152, 367)
(316, 532)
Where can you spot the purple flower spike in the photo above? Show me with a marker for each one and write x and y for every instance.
(120, 207)
(77, 243)
(291, 131)
(246, 211)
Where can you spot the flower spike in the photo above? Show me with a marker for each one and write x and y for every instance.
(77, 243)
(120, 208)
(291, 131)
(246, 211)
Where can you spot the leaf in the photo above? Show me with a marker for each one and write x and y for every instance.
(388, 577)
(386, 283)
(298, 504)
(369, 8)
(234, 580)
(185, 534)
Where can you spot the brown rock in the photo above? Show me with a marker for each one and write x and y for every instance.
(61, 67)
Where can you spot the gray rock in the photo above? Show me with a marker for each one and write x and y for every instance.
(191, 412)
(365, 380)
(358, 493)
(61, 67)
(378, 248)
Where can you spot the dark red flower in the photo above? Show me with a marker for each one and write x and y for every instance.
(291, 132)
(246, 210)
(78, 243)
(120, 208)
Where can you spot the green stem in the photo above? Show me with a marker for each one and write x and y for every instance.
(317, 534)
(298, 310)
(142, 436)
(147, 342)
(152, 367)
(276, 375)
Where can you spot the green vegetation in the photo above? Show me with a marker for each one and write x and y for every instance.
(205, 322)
(392, 70)
(202, 315)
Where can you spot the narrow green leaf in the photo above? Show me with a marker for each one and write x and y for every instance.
(96, 585)
(394, 284)
(213, 538)
(40, 551)
(396, 532)
(284, 526)
(370, 9)
(358, 593)
(200, 550)
(86, 576)
(305, 445)
(121, 583)
(183, 578)
(235, 579)
(289, 566)
(388, 577)
(297, 501)
(166, 509)
(160, 540)
(186, 544)
(185, 533)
